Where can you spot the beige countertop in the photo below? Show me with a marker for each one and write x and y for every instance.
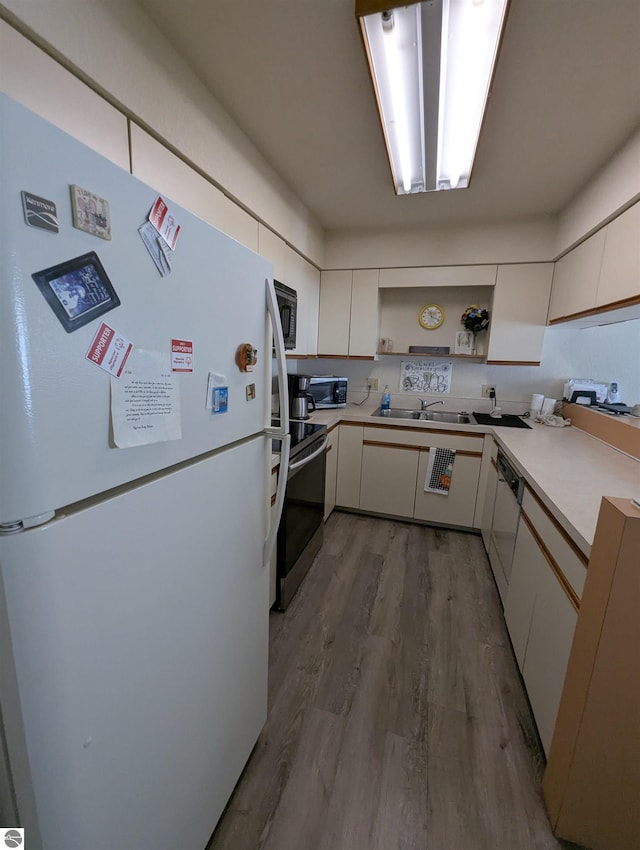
(567, 468)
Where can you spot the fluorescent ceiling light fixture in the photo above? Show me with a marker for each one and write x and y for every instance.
(431, 65)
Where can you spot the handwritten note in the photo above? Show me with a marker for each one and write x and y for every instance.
(145, 402)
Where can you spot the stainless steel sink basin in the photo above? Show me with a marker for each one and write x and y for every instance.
(445, 416)
(397, 413)
(424, 415)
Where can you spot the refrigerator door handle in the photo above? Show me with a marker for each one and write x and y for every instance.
(278, 340)
(276, 512)
(281, 433)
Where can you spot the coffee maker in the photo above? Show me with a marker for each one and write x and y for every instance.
(301, 402)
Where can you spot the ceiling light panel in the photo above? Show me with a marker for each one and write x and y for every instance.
(431, 65)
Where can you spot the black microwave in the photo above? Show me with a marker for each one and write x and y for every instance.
(288, 308)
(328, 390)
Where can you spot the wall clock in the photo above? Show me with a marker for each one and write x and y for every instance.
(431, 316)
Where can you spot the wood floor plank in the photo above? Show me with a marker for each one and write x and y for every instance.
(340, 680)
(393, 548)
(303, 809)
(398, 718)
(355, 797)
(401, 817)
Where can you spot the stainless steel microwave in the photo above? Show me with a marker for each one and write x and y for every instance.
(328, 390)
(288, 308)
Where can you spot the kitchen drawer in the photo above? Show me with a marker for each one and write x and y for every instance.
(424, 438)
(571, 561)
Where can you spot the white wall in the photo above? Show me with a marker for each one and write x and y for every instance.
(113, 45)
(568, 352)
(610, 191)
(531, 240)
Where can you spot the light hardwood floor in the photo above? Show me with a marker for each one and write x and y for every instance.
(397, 717)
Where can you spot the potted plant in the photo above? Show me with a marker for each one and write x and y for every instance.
(475, 319)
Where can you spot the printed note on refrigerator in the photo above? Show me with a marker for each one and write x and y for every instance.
(163, 219)
(145, 402)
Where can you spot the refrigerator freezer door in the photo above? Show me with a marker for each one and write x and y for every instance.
(139, 631)
(55, 446)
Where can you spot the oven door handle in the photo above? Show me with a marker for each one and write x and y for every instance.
(306, 460)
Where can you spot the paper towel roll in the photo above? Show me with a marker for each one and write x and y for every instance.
(548, 405)
(536, 403)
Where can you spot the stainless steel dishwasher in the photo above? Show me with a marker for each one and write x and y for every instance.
(504, 523)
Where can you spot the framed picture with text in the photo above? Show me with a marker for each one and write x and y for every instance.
(78, 290)
(464, 343)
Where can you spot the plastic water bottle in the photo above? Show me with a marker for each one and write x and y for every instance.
(386, 398)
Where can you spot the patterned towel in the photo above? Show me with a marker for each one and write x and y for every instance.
(439, 471)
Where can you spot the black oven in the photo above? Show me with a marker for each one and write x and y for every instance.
(301, 525)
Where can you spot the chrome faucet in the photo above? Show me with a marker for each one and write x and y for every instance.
(424, 404)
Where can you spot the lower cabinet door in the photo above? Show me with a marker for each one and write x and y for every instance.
(331, 473)
(458, 507)
(489, 499)
(545, 662)
(349, 466)
(388, 481)
(528, 563)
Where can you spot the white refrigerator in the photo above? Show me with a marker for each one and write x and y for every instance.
(133, 580)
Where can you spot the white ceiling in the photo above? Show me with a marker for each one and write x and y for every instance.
(293, 75)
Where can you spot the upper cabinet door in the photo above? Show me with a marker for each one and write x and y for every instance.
(620, 273)
(575, 279)
(519, 313)
(363, 330)
(438, 276)
(274, 249)
(335, 313)
(305, 279)
(42, 85)
(156, 165)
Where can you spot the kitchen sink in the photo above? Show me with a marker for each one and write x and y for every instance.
(424, 415)
(397, 413)
(444, 416)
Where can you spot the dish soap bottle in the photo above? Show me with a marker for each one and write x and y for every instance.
(386, 398)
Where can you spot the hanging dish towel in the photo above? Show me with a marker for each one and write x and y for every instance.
(439, 471)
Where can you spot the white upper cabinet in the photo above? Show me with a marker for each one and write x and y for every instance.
(363, 327)
(274, 249)
(294, 271)
(156, 165)
(602, 274)
(438, 276)
(335, 313)
(575, 278)
(305, 279)
(519, 313)
(38, 82)
(348, 324)
(620, 272)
